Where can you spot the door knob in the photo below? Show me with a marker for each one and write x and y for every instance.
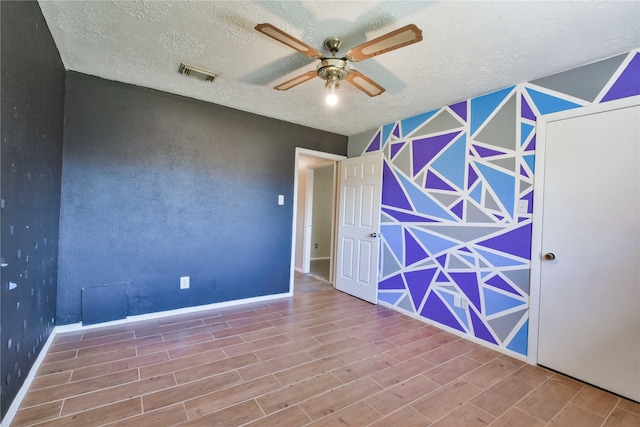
(549, 256)
(374, 235)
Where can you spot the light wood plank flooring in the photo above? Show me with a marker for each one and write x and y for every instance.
(321, 358)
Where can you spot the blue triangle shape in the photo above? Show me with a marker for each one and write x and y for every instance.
(531, 162)
(434, 244)
(386, 131)
(451, 163)
(476, 193)
(547, 104)
(496, 302)
(483, 106)
(422, 202)
(390, 297)
(412, 123)
(393, 236)
(498, 260)
(525, 131)
(519, 343)
(504, 185)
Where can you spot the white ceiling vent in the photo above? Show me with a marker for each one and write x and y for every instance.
(197, 72)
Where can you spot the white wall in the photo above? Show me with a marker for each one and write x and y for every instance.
(321, 215)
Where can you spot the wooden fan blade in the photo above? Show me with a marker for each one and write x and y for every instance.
(284, 38)
(394, 40)
(364, 83)
(296, 80)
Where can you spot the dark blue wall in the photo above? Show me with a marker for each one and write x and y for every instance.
(30, 170)
(156, 186)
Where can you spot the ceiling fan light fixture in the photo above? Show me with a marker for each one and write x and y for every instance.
(332, 97)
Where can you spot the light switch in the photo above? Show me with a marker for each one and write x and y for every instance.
(523, 206)
(280, 199)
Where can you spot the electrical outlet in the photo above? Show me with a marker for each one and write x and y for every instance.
(184, 282)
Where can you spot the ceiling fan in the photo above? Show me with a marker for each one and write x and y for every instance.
(333, 69)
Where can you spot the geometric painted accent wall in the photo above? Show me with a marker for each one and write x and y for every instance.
(457, 201)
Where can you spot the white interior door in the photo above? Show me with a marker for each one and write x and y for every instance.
(359, 226)
(589, 320)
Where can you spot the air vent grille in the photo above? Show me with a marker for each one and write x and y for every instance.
(197, 72)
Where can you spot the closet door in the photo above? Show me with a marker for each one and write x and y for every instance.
(590, 272)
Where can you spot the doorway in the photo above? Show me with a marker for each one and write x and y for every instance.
(307, 164)
(320, 206)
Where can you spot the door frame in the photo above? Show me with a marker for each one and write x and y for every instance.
(538, 208)
(308, 215)
(335, 158)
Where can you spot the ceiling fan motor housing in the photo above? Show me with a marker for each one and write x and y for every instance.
(333, 69)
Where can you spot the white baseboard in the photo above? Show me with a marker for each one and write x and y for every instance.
(159, 314)
(13, 409)
(473, 339)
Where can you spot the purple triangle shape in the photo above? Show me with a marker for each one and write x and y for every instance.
(433, 181)
(435, 309)
(442, 278)
(418, 283)
(532, 144)
(463, 249)
(480, 330)
(394, 282)
(425, 149)
(473, 176)
(523, 172)
(406, 217)
(395, 148)
(392, 192)
(374, 145)
(525, 110)
(457, 209)
(460, 109)
(529, 198)
(414, 252)
(628, 84)
(487, 152)
(468, 283)
(515, 242)
(500, 283)
(396, 131)
(442, 260)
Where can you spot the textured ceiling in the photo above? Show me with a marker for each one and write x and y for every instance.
(469, 48)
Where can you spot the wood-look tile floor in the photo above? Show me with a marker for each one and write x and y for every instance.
(321, 358)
